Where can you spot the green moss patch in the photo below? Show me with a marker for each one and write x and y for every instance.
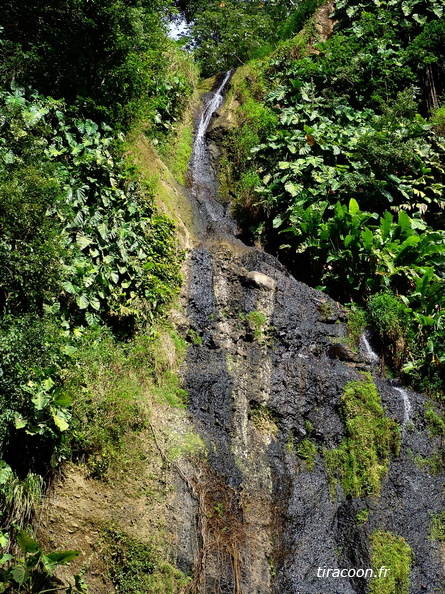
(362, 459)
(393, 552)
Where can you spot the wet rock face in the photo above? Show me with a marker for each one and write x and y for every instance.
(267, 373)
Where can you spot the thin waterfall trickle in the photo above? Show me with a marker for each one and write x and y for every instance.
(406, 405)
(213, 214)
(370, 355)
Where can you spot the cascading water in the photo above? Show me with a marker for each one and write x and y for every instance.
(213, 214)
(370, 355)
(406, 404)
(209, 109)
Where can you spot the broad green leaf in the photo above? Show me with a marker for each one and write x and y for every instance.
(293, 189)
(367, 239)
(95, 303)
(26, 543)
(103, 230)
(4, 538)
(83, 241)
(41, 400)
(63, 400)
(82, 301)
(5, 474)
(69, 350)
(277, 222)
(62, 557)
(19, 574)
(353, 206)
(406, 245)
(69, 287)
(59, 419)
(20, 422)
(385, 225)
(47, 384)
(404, 222)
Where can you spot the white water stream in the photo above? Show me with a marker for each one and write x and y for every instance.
(406, 404)
(209, 110)
(371, 356)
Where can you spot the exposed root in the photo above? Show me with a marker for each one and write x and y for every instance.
(221, 529)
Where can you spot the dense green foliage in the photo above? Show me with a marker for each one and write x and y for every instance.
(225, 34)
(32, 570)
(392, 551)
(82, 245)
(110, 60)
(338, 166)
(84, 253)
(362, 459)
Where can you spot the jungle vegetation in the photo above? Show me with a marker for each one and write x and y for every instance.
(337, 167)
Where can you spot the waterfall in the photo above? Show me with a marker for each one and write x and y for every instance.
(212, 213)
(370, 355)
(209, 110)
(406, 404)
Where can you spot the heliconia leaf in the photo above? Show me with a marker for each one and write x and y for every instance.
(404, 221)
(353, 206)
(385, 225)
(348, 240)
(367, 238)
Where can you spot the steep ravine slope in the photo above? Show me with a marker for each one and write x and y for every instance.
(234, 490)
(264, 373)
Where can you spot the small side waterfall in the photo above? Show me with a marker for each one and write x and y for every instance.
(406, 405)
(370, 355)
